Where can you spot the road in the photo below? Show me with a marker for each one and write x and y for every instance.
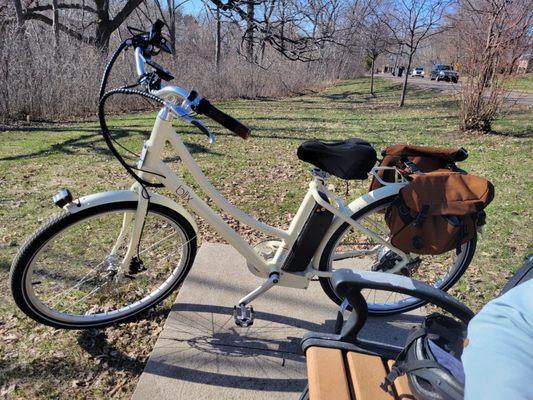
(514, 97)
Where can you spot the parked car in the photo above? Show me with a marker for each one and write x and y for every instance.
(418, 71)
(443, 72)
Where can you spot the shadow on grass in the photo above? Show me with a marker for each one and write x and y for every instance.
(91, 141)
(344, 95)
(51, 129)
(5, 265)
(39, 368)
(526, 133)
(96, 343)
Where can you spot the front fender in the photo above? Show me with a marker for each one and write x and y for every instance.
(355, 206)
(115, 196)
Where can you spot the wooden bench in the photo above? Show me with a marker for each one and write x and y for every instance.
(334, 374)
(344, 367)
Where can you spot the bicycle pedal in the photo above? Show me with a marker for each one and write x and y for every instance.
(244, 316)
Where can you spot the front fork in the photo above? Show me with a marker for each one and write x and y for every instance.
(134, 226)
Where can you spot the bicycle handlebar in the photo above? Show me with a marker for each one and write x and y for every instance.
(206, 108)
(142, 43)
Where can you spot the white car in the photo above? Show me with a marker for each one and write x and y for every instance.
(418, 71)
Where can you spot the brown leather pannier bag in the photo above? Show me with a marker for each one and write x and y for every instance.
(427, 159)
(438, 211)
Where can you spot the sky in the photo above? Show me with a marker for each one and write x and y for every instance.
(192, 7)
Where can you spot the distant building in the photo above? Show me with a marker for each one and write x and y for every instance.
(525, 64)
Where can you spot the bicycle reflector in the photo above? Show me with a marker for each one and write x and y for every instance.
(62, 198)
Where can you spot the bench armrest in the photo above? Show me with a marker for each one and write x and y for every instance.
(348, 283)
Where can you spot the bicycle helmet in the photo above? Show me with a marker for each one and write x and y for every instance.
(431, 360)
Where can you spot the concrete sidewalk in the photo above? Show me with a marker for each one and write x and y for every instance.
(201, 354)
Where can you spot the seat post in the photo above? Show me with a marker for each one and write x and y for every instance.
(319, 175)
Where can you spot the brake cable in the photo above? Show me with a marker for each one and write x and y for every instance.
(107, 134)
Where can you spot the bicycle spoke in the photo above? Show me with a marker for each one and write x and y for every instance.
(86, 296)
(78, 284)
(82, 284)
(353, 250)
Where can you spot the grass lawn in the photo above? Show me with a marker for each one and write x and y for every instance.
(263, 176)
(522, 83)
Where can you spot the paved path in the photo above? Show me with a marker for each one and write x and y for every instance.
(201, 354)
(517, 97)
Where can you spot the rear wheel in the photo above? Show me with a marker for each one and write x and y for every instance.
(66, 275)
(349, 248)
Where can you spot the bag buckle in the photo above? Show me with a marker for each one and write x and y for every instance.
(394, 373)
(411, 166)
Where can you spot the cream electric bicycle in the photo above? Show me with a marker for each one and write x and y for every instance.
(108, 256)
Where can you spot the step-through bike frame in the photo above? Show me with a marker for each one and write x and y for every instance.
(151, 160)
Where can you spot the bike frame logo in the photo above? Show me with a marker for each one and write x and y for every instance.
(183, 194)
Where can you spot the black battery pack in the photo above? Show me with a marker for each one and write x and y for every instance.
(313, 231)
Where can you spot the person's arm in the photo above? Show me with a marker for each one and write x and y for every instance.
(498, 357)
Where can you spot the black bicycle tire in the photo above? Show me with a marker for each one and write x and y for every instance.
(62, 221)
(328, 248)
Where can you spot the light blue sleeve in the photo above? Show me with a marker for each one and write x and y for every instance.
(498, 360)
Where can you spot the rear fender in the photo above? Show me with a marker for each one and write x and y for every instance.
(116, 196)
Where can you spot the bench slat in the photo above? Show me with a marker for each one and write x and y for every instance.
(367, 373)
(401, 384)
(326, 374)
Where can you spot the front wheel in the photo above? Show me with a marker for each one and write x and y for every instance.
(69, 273)
(350, 248)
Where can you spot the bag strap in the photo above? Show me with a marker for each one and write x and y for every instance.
(422, 215)
(399, 370)
(403, 210)
(396, 369)
(454, 168)
(462, 233)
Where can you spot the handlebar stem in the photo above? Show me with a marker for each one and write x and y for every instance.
(140, 61)
(169, 92)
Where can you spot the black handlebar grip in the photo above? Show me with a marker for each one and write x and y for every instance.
(206, 108)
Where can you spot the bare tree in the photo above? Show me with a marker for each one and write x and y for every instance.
(376, 41)
(101, 18)
(292, 33)
(218, 38)
(167, 11)
(410, 22)
(493, 32)
(217, 15)
(250, 27)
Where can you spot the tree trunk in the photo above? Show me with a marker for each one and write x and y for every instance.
(396, 60)
(172, 25)
(372, 77)
(250, 11)
(20, 15)
(102, 37)
(55, 21)
(218, 39)
(282, 27)
(102, 27)
(404, 88)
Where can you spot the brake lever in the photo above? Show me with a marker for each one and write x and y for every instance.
(204, 129)
(182, 113)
